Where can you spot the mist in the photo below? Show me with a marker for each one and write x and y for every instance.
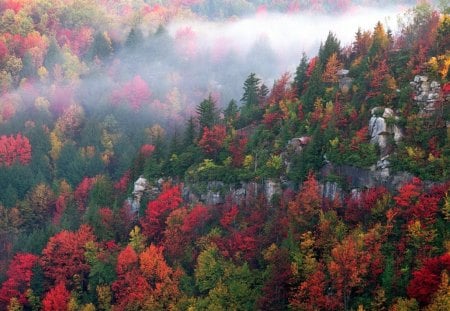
(215, 57)
(190, 59)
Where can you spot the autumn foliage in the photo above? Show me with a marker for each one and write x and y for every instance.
(56, 298)
(14, 149)
(212, 139)
(153, 222)
(64, 258)
(19, 278)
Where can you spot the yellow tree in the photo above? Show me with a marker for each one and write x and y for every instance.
(330, 73)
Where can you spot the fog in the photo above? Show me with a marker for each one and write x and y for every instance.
(194, 58)
(288, 35)
(216, 56)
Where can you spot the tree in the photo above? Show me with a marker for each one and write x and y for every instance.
(190, 134)
(426, 280)
(312, 293)
(56, 299)
(347, 268)
(237, 149)
(134, 39)
(441, 299)
(250, 109)
(134, 93)
(38, 206)
(300, 77)
(278, 280)
(305, 208)
(63, 259)
(19, 275)
(382, 85)
(380, 41)
(195, 220)
(362, 43)
(14, 149)
(331, 68)
(231, 113)
(207, 114)
(163, 280)
(153, 222)
(331, 45)
(102, 46)
(212, 140)
(314, 88)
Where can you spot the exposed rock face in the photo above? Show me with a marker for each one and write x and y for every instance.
(359, 178)
(345, 83)
(426, 94)
(380, 131)
(294, 147)
(271, 189)
(331, 190)
(217, 192)
(141, 185)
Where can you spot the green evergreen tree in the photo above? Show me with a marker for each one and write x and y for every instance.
(101, 47)
(300, 75)
(207, 113)
(231, 113)
(190, 133)
(53, 55)
(262, 94)
(331, 45)
(28, 70)
(134, 39)
(315, 88)
(250, 110)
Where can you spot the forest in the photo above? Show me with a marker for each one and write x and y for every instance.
(149, 164)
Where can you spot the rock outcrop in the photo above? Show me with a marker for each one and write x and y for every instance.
(382, 127)
(426, 94)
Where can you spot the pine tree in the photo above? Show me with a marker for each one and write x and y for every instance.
(331, 45)
(315, 88)
(300, 75)
(102, 46)
(250, 110)
(208, 113)
(53, 55)
(134, 39)
(251, 87)
(231, 113)
(190, 133)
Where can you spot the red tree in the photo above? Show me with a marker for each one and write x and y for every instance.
(311, 294)
(81, 193)
(153, 222)
(19, 277)
(229, 217)
(347, 268)
(196, 219)
(122, 184)
(237, 150)
(135, 93)
(56, 299)
(63, 257)
(147, 150)
(212, 140)
(307, 203)
(14, 149)
(426, 280)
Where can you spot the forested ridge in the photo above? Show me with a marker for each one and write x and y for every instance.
(132, 177)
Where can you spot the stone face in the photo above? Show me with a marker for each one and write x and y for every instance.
(271, 188)
(331, 190)
(426, 94)
(380, 131)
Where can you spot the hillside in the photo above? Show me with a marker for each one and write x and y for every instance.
(150, 163)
